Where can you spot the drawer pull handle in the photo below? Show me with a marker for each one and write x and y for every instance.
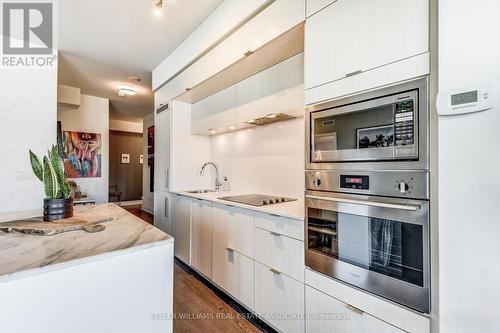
(275, 234)
(354, 309)
(354, 73)
(275, 215)
(228, 249)
(275, 271)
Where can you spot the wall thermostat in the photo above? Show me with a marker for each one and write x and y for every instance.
(466, 100)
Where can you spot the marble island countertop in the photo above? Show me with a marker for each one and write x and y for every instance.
(24, 255)
(292, 209)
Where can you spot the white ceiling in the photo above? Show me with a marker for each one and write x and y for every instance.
(103, 42)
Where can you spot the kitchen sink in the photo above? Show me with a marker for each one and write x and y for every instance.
(200, 191)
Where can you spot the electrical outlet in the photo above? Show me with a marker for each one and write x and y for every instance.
(125, 158)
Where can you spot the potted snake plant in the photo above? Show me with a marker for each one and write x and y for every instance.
(50, 171)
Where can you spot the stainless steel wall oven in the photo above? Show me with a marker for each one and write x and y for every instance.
(367, 193)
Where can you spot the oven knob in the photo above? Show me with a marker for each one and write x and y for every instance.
(265, 202)
(403, 187)
(283, 199)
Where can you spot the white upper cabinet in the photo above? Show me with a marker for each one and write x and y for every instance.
(278, 89)
(279, 17)
(351, 37)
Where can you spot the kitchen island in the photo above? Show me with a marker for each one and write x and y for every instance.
(117, 280)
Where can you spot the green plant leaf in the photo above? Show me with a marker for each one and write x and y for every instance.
(36, 165)
(58, 164)
(50, 179)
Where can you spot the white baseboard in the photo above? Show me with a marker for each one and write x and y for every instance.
(129, 203)
(147, 209)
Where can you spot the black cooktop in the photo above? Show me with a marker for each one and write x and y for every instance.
(257, 199)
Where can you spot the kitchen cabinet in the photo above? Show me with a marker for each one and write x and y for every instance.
(278, 89)
(347, 318)
(162, 150)
(201, 236)
(351, 37)
(234, 228)
(161, 211)
(180, 208)
(281, 225)
(278, 296)
(278, 18)
(279, 252)
(234, 273)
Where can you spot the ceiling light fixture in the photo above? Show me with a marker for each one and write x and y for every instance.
(126, 91)
(158, 8)
(271, 116)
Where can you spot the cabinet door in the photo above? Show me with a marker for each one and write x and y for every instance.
(280, 252)
(181, 227)
(201, 236)
(234, 273)
(234, 228)
(351, 36)
(279, 299)
(162, 151)
(161, 210)
(326, 314)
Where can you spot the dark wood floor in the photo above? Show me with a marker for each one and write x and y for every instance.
(196, 307)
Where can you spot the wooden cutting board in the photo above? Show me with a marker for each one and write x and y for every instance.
(39, 227)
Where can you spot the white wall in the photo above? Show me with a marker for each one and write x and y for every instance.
(267, 159)
(92, 117)
(28, 104)
(125, 126)
(469, 164)
(147, 196)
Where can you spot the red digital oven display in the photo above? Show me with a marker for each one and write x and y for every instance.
(354, 180)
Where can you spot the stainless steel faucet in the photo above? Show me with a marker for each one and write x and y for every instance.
(217, 182)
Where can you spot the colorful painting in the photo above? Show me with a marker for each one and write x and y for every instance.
(82, 154)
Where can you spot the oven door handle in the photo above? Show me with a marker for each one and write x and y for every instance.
(412, 208)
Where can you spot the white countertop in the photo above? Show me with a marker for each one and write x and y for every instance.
(292, 209)
(24, 255)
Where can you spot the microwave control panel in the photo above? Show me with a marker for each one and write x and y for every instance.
(355, 182)
(404, 118)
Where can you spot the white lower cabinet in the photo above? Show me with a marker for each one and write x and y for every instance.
(180, 228)
(279, 299)
(201, 236)
(234, 273)
(282, 253)
(234, 228)
(326, 314)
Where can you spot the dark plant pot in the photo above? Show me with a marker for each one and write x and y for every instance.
(57, 209)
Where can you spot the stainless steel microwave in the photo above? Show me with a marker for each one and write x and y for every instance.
(382, 129)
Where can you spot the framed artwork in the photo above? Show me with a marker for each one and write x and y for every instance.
(376, 137)
(82, 154)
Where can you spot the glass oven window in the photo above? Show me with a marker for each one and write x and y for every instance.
(387, 247)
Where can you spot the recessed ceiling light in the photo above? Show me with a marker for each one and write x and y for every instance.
(212, 131)
(135, 78)
(158, 8)
(250, 121)
(124, 90)
(271, 116)
(231, 127)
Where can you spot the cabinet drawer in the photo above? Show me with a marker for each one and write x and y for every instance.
(234, 273)
(281, 225)
(326, 314)
(282, 253)
(234, 228)
(279, 299)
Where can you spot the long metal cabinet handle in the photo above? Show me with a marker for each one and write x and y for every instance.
(354, 309)
(167, 178)
(354, 73)
(228, 249)
(166, 207)
(275, 271)
(412, 208)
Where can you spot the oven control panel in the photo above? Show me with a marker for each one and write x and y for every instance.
(355, 182)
